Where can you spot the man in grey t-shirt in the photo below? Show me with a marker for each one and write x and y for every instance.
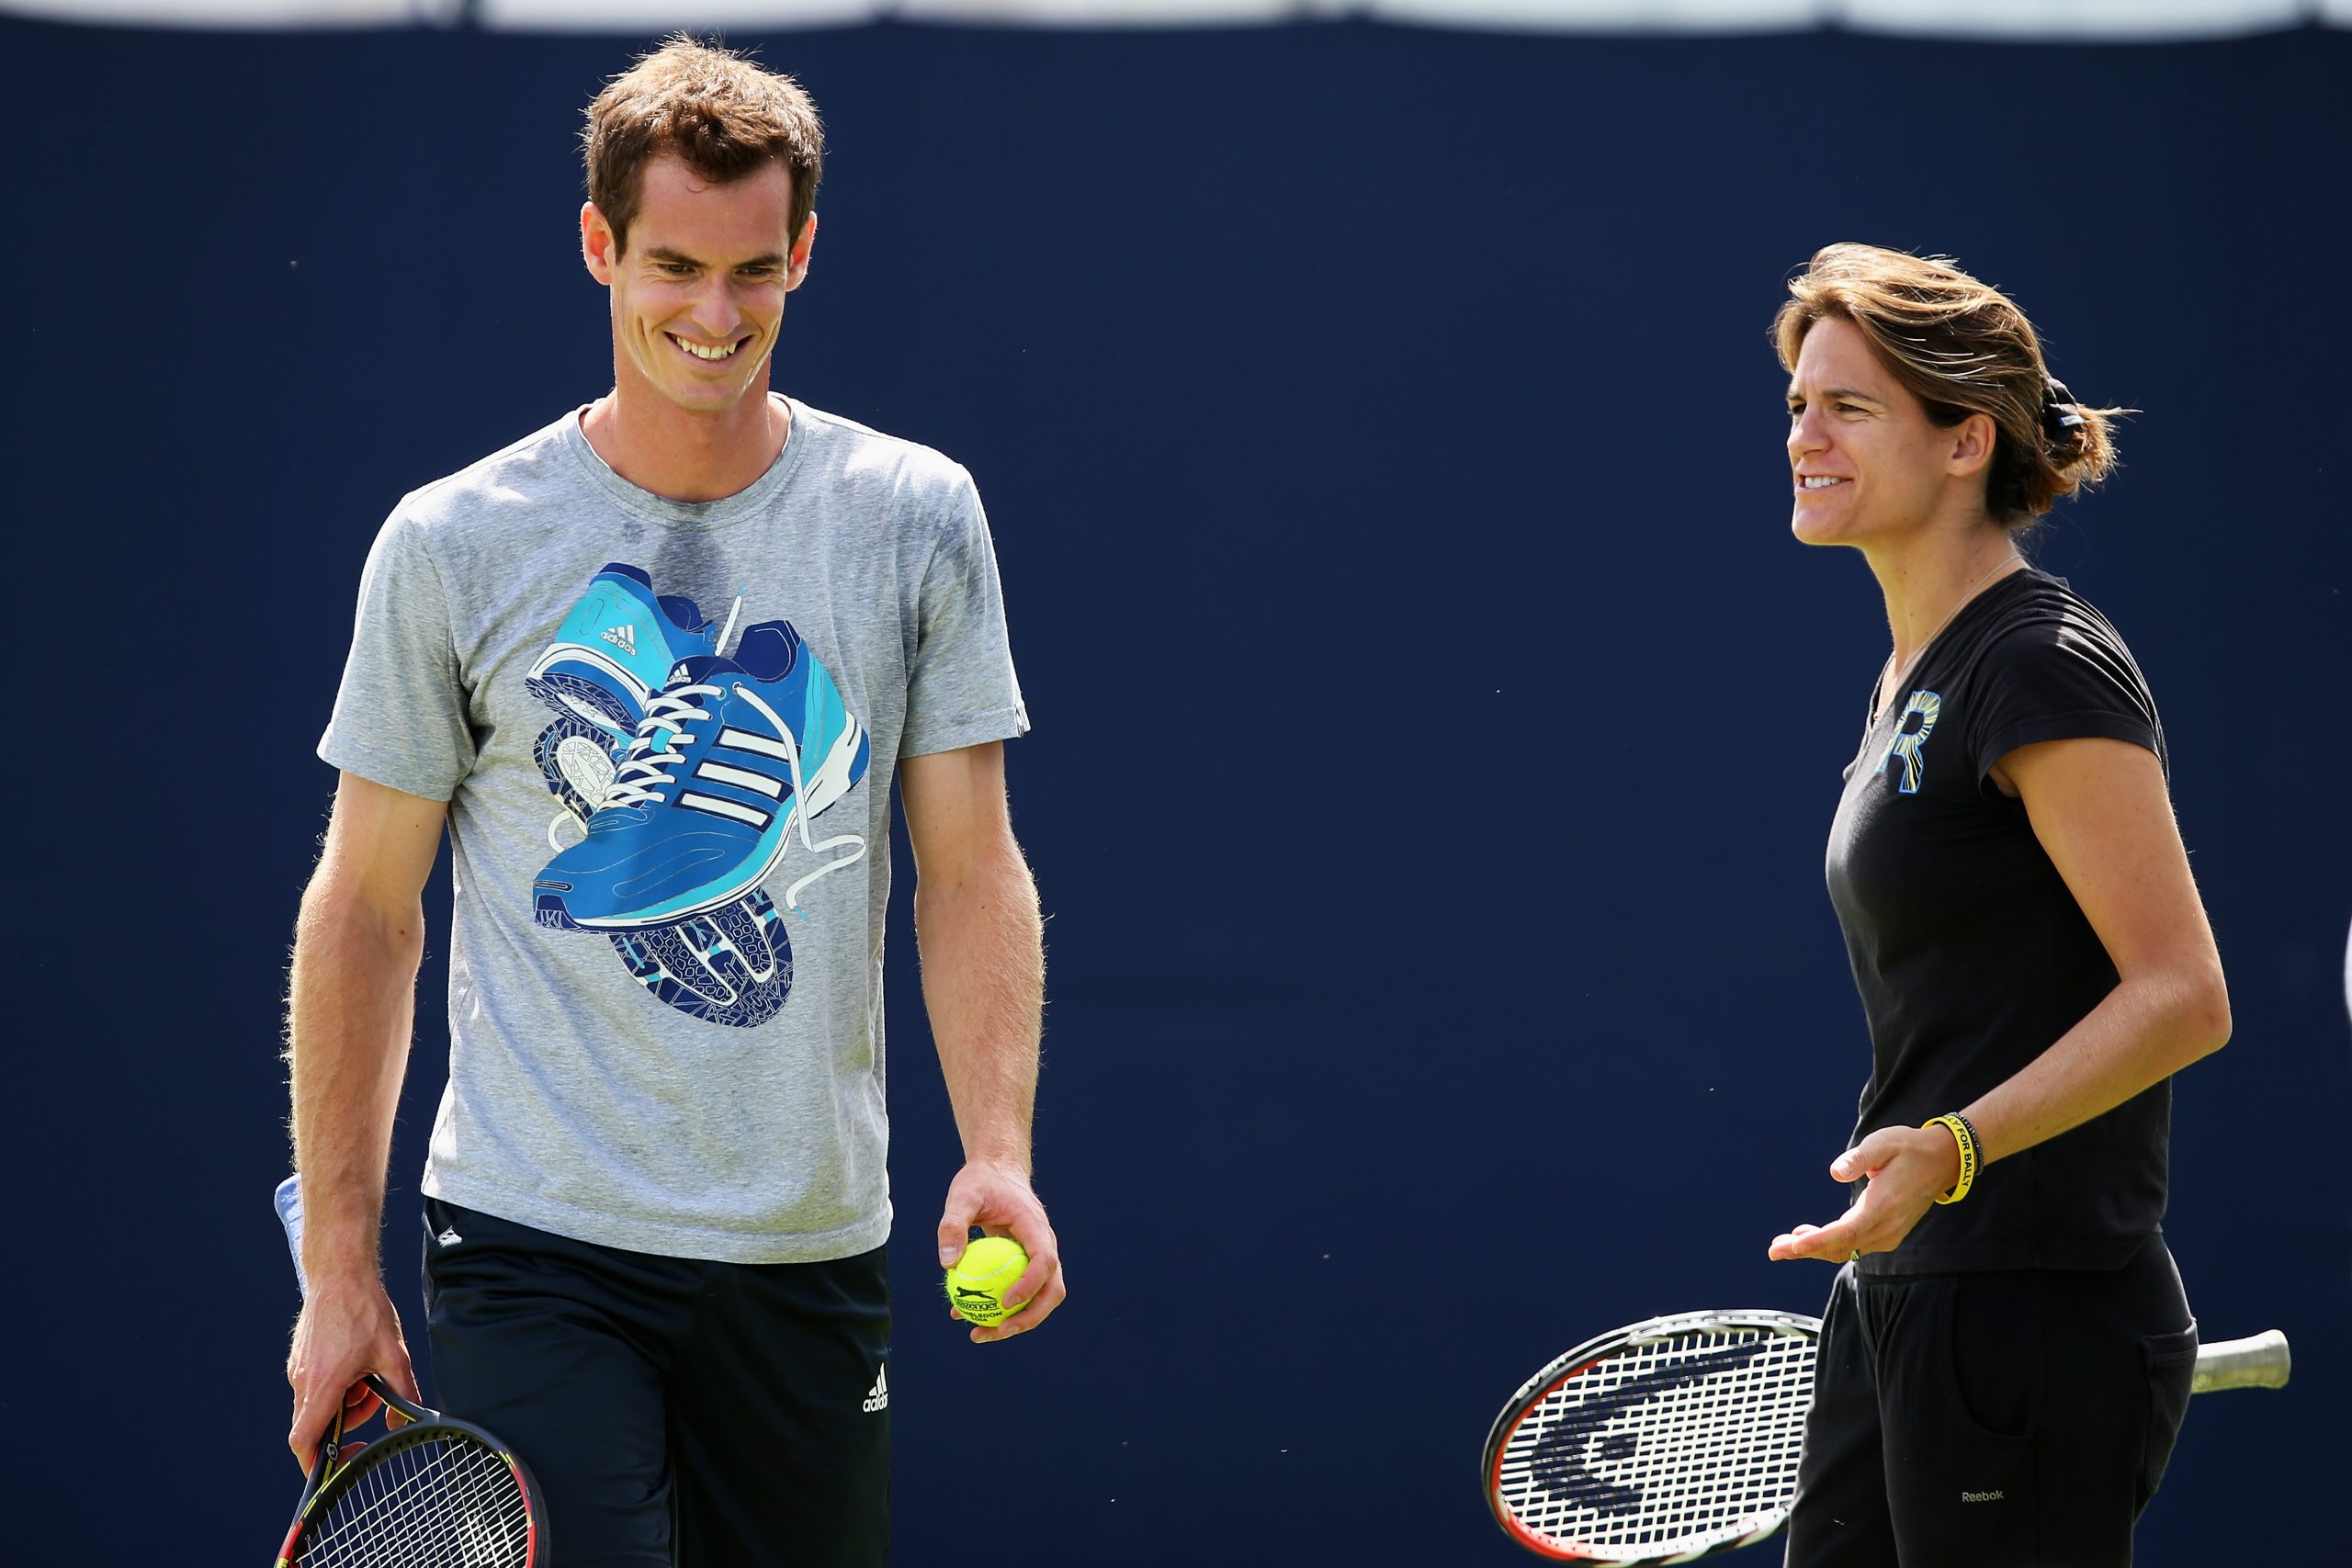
(655, 667)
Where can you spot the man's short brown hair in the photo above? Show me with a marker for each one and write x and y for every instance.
(709, 106)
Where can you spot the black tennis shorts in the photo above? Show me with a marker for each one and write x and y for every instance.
(2014, 1419)
(673, 1411)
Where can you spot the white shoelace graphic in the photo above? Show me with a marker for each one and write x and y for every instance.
(729, 629)
(643, 770)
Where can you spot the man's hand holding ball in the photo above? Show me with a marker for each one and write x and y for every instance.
(1009, 1280)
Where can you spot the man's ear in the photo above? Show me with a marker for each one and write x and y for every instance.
(799, 269)
(1972, 444)
(598, 247)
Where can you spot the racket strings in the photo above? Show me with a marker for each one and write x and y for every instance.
(459, 1514)
(1665, 1445)
(442, 1512)
(440, 1504)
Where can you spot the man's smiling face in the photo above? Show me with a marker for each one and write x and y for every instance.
(698, 294)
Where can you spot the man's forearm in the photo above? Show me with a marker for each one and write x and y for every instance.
(350, 1011)
(984, 985)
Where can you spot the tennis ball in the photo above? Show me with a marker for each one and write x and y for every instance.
(975, 1285)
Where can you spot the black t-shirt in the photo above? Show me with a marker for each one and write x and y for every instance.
(1970, 954)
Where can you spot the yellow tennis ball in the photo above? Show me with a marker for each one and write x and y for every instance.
(975, 1285)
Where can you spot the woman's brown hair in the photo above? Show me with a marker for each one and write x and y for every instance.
(1961, 347)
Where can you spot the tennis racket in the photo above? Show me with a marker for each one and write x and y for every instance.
(437, 1493)
(1673, 1440)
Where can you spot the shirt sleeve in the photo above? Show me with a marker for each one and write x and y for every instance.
(2061, 676)
(962, 690)
(401, 717)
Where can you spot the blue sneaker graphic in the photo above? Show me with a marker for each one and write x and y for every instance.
(732, 761)
(617, 649)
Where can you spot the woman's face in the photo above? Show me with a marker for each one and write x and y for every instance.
(1867, 463)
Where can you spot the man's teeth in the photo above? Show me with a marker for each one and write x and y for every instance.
(1820, 481)
(701, 353)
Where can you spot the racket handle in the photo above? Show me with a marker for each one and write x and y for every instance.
(2260, 1362)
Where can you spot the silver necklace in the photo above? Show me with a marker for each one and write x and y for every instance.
(1878, 700)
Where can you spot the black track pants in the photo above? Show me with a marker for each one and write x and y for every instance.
(672, 1410)
(2013, 1420)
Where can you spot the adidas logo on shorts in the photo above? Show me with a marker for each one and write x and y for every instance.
(878, 1396)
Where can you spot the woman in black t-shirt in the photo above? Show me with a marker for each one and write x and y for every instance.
(2006, 1352)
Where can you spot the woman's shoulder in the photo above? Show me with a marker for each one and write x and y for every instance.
(2048, 665)
(2039, 616)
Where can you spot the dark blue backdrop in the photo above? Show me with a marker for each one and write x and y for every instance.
(1437, 729)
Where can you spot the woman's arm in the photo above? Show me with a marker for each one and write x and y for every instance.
(2102, 814)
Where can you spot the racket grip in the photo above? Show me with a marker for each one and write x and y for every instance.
(2261, 1360)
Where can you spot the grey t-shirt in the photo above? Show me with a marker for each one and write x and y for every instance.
(666, 733)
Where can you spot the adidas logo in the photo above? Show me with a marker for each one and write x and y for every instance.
(450, 1237)
(878, 1396)
(622, 638)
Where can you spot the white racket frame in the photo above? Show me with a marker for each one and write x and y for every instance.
(2260, 1361)
(1741, 1530)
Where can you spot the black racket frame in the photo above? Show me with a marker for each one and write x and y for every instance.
(334, 1476)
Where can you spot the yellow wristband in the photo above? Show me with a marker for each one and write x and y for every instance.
(1965, 1136)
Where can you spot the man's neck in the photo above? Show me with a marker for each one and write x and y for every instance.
(684, 456)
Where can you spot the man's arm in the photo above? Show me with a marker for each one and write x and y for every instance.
(984, 986)
(350, 1008)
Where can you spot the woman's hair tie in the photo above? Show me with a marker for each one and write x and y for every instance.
(2061, 417)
